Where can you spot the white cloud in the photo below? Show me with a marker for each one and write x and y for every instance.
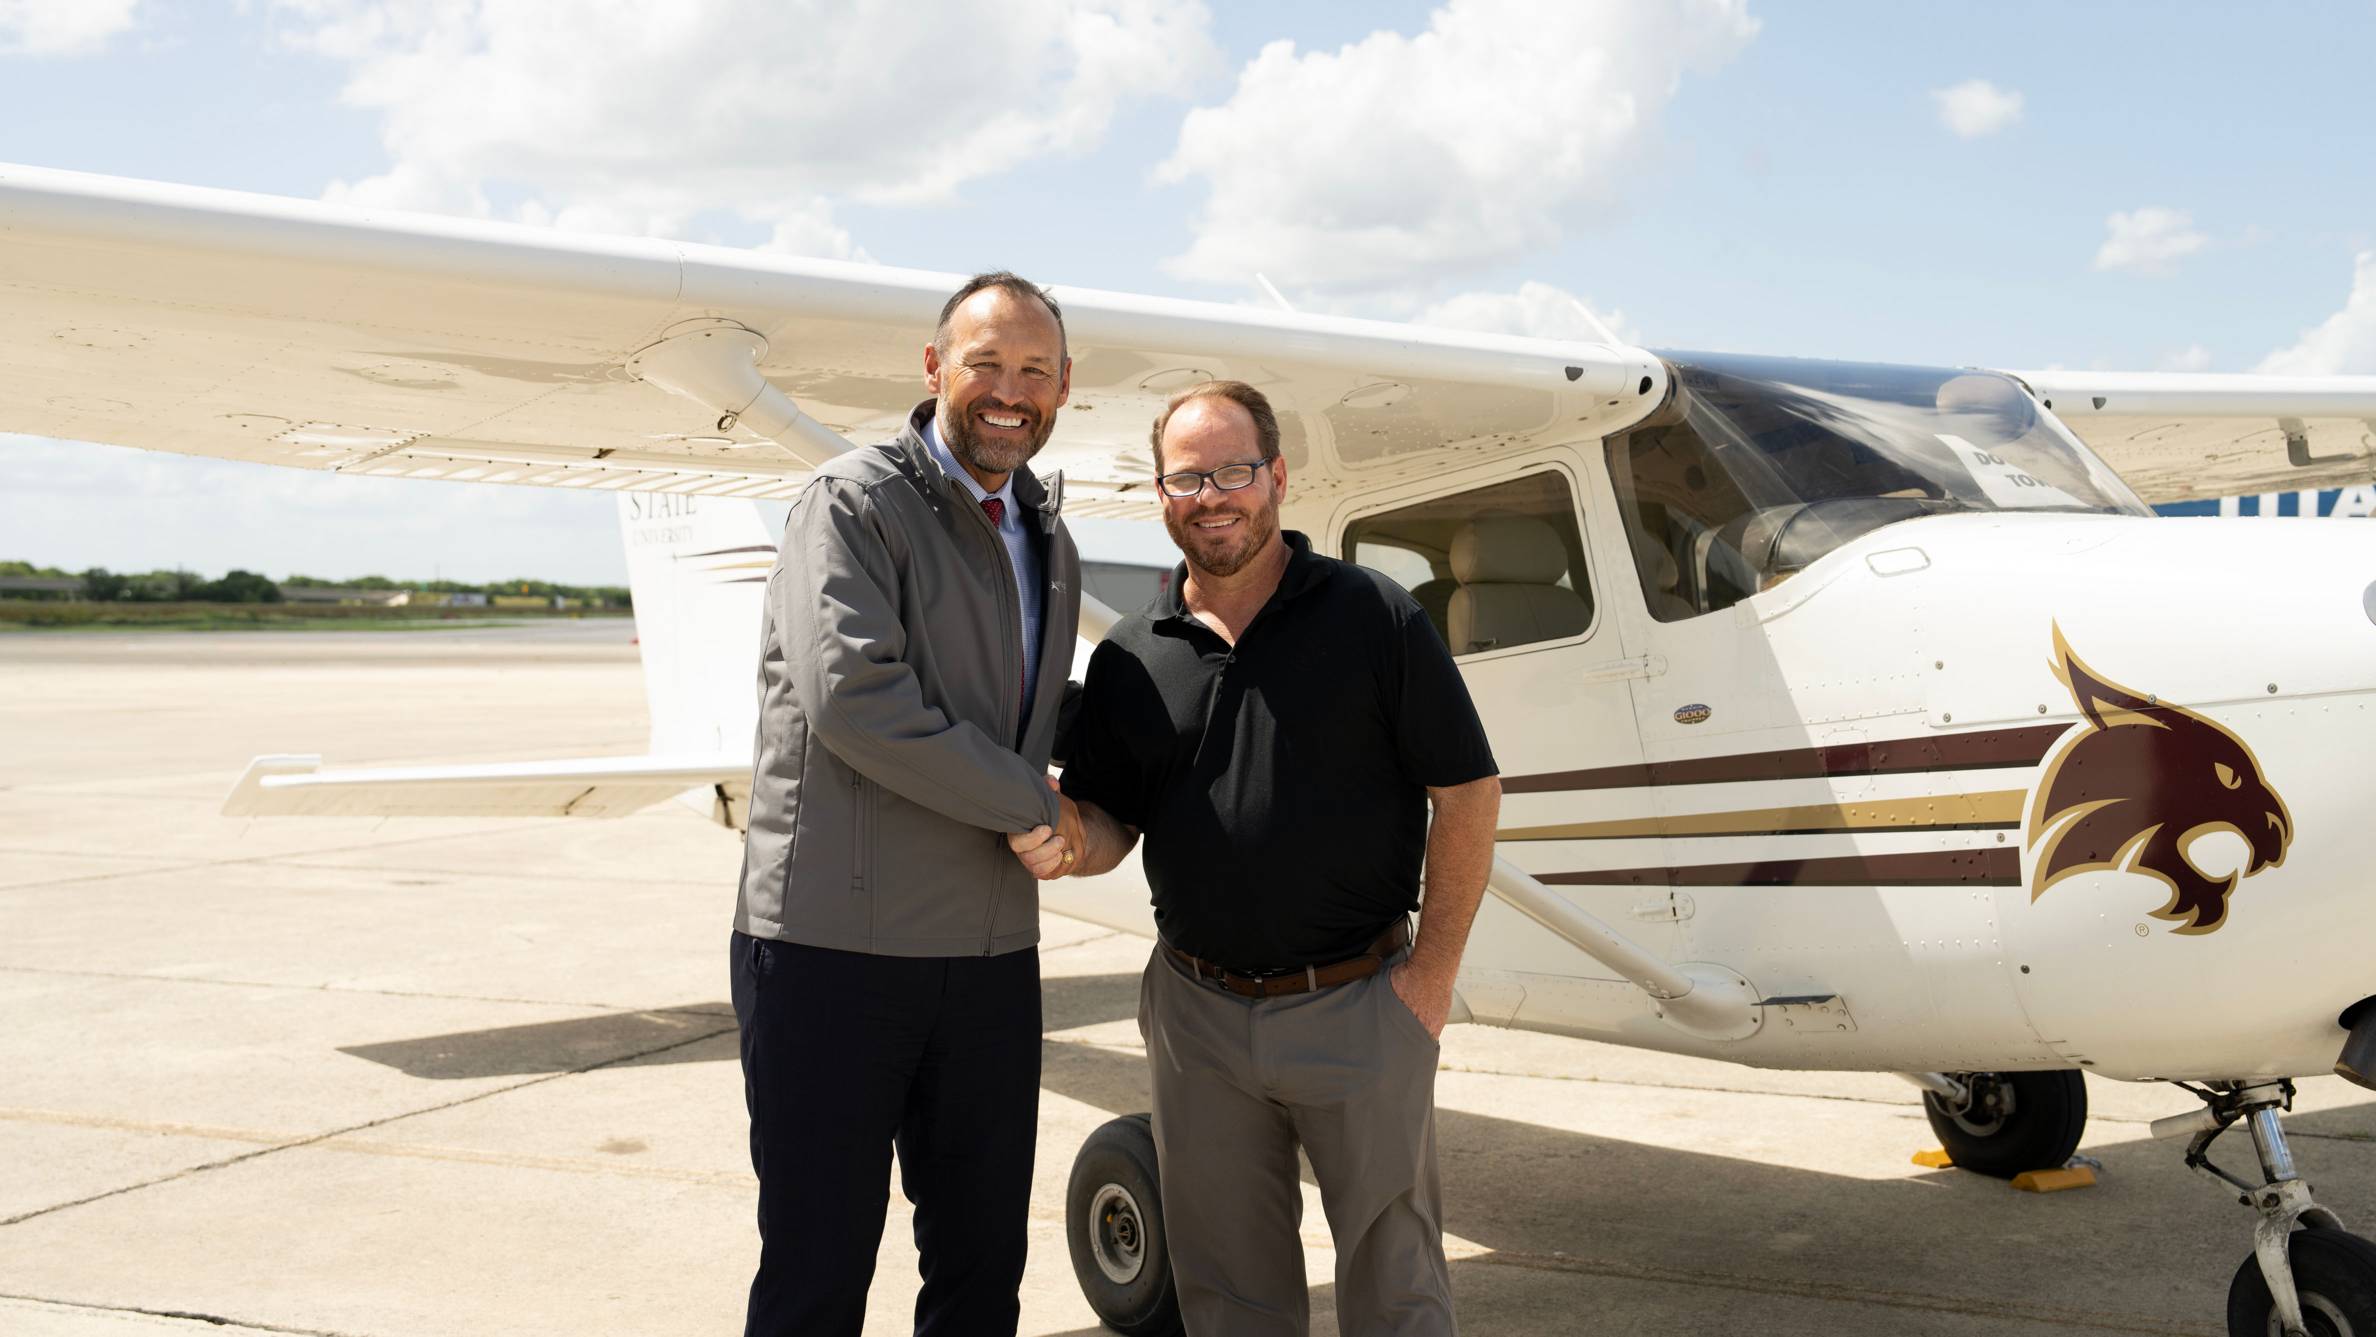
(639, 117)
(2193, 357)
(1487, 134)
(2148, 239)
(61, 27)
(1977, 107)
(1537, 310)
(2345, 342)
(814, 232)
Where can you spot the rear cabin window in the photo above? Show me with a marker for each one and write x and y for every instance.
(1494, 567)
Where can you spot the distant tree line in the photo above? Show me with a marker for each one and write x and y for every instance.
(604, 596)
(101, 585)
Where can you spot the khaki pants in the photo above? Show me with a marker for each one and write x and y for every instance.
(1349, 1074)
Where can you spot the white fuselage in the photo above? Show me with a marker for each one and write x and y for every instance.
(1850, 819)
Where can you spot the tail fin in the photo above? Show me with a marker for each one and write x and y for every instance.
(698, 569)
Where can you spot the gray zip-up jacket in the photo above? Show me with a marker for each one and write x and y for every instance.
(892, 756)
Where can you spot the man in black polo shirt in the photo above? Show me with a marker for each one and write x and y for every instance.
(1278, 724)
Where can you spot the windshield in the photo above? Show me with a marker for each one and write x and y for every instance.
(1755, 467)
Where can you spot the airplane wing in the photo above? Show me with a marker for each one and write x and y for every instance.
(2175, 436)
(324, 337)
(296, 786)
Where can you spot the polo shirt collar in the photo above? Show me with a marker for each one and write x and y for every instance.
(1303, 572)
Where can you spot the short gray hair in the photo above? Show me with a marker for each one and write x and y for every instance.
(1015, 286)
(1256, 404)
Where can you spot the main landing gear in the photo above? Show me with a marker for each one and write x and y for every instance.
(2002, 1123)
(1113, 1217)
(2318, 1281)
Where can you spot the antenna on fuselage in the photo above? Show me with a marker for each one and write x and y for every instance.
(1608, 336)
(1273, 293)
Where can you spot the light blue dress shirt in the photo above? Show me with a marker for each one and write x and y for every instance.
(1020, 553)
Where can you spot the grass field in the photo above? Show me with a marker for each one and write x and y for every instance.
(59, 615)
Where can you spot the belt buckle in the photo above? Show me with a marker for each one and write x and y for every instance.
(1243, 985)
(1261, 984)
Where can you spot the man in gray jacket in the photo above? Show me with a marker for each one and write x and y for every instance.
(919, 632)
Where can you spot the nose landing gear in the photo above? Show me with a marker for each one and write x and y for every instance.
(2318, 1281)
(1113, 1218)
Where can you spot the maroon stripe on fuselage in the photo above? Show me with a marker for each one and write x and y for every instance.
(1995, 867)
(1985, 749)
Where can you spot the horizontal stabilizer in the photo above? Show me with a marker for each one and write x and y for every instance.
(2182, 435)
(297, 786)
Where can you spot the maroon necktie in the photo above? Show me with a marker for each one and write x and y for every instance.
(995, 508)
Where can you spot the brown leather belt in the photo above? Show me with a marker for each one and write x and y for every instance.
(1277, 983)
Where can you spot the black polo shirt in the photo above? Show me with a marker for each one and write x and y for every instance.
(1280, 785)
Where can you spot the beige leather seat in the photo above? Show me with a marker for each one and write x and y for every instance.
(1508, 568)
(1659, 576)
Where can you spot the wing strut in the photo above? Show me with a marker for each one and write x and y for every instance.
(715, 363)
(1706, 1001)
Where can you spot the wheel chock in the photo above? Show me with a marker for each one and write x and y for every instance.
(2055, 1181)
(1934, 1158)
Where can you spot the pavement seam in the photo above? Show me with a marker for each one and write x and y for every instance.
(1083, 942)
(311, 1140)
(685, 1009)
(85, 854)
(262, 858)
(111, 1123)
(191, 1316)
(1844, 1293)
(300, 862)
(405, 1151)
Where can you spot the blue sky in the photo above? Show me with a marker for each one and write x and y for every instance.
(2134, 186)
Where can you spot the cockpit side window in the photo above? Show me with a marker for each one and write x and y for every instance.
(1493, 567)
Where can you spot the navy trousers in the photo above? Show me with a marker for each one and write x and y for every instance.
(846, 1056)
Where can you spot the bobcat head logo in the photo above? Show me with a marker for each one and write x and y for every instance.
(2131, 788)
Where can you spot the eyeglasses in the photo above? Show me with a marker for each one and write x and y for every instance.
(1227, 478)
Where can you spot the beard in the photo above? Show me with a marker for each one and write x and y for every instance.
(966, 442)
(1221, 559)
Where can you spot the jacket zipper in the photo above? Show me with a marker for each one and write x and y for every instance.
(1010, 636)
(864, 830)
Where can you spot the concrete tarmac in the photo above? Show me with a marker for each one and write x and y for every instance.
(432, 1077)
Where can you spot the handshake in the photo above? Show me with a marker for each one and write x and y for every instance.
(1051, 852)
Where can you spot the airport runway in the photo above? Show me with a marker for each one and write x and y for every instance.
(460, 1077)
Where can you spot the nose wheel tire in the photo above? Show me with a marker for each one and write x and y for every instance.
(2335, 1274)
(1113, 1220)
(2013, 1121)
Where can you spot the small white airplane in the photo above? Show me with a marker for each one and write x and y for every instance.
(1851, 717)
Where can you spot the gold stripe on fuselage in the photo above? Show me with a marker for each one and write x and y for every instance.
(1995, 808)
